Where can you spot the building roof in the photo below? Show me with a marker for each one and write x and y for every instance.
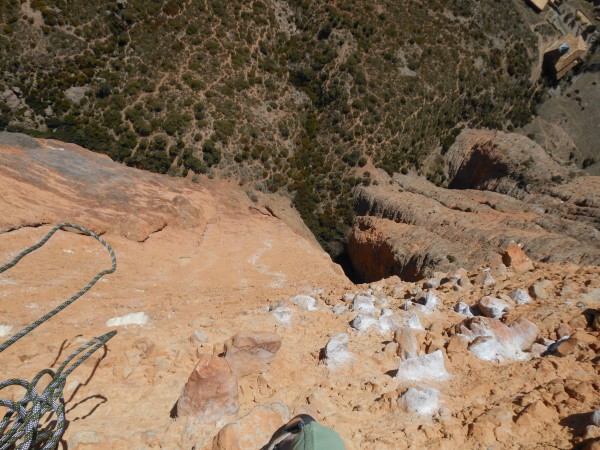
(562, 72)
(576, 44)
(539, 4)
(565, 52)
(585, 19)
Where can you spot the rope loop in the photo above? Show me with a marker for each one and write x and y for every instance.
(20, 426)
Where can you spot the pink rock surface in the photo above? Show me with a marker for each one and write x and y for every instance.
(211, 391)
(251, 352)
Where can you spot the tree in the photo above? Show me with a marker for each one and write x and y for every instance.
(210, 153)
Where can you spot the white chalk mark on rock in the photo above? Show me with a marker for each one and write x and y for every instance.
(278, 277)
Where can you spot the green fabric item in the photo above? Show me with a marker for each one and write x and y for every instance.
(317, 437)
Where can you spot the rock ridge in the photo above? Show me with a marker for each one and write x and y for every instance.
(409, 227)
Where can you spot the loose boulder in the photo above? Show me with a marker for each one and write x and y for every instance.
(363, 321)
(595, 418)
(251, 353)
(339, 309)
(304, 302)
(463, 309)
(536, 414)
(410, 319)
(492, 307)
(5, 330)
(389, 322)
(407, 343)
(520, 296)
(421, 401)
(516, 258)
(540, 290)
(485, 278)
(211, 391)
(139, 318)
(566, 346)
(422, 368)
(491, 340)
(283, 314)
(430, 301)
(524, 333)
(364, 303)
(336, 351)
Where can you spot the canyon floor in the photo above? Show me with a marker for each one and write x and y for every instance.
(204, 262)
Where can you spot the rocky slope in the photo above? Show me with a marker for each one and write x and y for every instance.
(506, 163)
(389, 365)
(187, 253)
(501, 191)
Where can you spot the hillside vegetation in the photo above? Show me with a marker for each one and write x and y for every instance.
(283, 96)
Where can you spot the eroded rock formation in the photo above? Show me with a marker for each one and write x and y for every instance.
(409, 227)
(507, 163)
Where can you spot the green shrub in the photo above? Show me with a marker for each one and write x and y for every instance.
(194, 83)
(4, 121)
(224, 129)
(210, 153)
(175, 122)
(142, 127)
(152, 160)
(159, 143)
(352, 158)
(195, 164)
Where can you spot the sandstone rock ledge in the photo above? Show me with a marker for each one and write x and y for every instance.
(389, 365)
(196, 263)
(409, 227)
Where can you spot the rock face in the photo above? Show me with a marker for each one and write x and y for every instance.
(211, 391)
(64, 173)
(412, 228)
(118, 199)
(251, 353)
(507, 163)
(504, 189)
(194, 257)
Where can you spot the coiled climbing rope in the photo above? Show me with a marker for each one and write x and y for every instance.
(20, 428)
